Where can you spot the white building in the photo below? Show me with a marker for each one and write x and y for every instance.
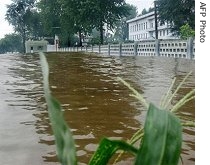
(36, 46)
(143, 28)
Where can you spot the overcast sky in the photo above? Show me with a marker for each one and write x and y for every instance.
(6, 29)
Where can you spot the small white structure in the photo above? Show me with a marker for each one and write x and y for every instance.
(55, 47)
(36, 46)
(143, 28)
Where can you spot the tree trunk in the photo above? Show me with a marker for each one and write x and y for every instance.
(24, 40)
(101, 33)
(69, 41)
(80, 37)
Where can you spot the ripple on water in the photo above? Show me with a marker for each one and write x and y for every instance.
(95, 104)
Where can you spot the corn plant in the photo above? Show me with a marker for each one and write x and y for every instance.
(161, 137)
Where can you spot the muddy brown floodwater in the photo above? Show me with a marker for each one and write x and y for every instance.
(95, 104)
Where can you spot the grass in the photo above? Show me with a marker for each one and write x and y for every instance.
(160, 139)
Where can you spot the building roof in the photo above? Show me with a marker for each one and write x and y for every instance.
(42, 42)
(141, 17)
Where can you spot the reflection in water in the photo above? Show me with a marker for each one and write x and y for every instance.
(95, 104)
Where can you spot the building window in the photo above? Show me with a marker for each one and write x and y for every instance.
(146, 25)
(163, 32)
(162, 23)
(40, 48)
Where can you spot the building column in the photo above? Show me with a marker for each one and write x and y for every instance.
(99, 49)
(109, 49)
(157, 47)
(135, 48)
(190, 48)
(120, 49)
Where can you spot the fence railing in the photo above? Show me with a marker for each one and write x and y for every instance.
(167, 48)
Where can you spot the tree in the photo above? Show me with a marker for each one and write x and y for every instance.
(144, 11)
(80, 17)
(18, 14)
(35, 25)
(50, 13)
(186, 31)
(11, 43)
(177, 13)
(74, 18)
(121, 30)
(104, 14)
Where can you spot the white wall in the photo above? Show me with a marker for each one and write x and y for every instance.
(143, 28)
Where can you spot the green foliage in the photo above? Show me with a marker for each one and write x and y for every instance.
(35, 28)
(177, 13)
(186, 31)
(83, 16)
(145, 11)
(162, 138)
(50, 12)
(11, 43)
(69, 19)
(121, 27)
(107, 148)
(99, 13)
(19, 14)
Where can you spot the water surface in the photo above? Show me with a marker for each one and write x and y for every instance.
(95, 104)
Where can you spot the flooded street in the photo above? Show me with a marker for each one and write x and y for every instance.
(95, 104)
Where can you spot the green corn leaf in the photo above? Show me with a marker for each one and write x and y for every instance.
(64, 140)
(161, 144)
(106, 150)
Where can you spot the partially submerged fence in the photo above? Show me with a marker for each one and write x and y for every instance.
(167, 48)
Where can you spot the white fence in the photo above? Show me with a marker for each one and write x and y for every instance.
(166, 48)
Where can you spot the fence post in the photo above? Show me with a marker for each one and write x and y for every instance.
(189, 48)
(120, 49)
(135, 48)
(99, 49)
(157, 47)
(109, 49)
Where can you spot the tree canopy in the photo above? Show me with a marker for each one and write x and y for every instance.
(80, 17)
(177, 13)
(25, 19)
(121, 27)
(10, 43)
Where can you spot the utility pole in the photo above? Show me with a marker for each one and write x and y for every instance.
(156, 22)
(56, 39)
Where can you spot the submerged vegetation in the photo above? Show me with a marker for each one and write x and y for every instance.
(160, 139)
